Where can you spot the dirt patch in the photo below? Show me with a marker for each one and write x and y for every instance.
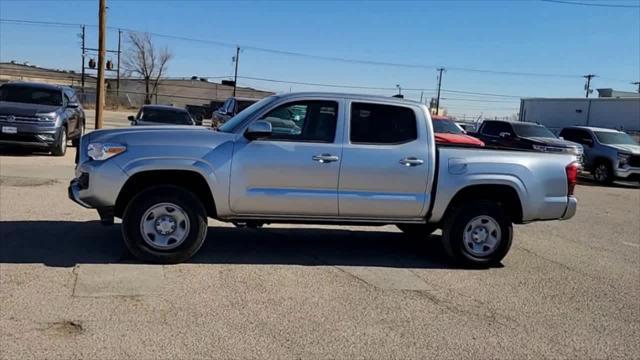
(25, 181)
(65, 328)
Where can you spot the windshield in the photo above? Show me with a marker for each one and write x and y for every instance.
(237, 120)
(615, 138)
(30, 95)
(532, 131)
(166, 116)
(446, 126)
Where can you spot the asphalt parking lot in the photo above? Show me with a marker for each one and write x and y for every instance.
(69, 288)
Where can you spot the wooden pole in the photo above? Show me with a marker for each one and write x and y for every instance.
(100, 89)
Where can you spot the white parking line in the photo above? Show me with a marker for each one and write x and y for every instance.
(631, 244)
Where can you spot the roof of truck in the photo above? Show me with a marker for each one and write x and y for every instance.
(350, 96)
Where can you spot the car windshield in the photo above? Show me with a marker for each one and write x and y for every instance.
(446, 126)
(237, 120)
(615, 138)
(532, 131)
(30, 95)
(166, 116)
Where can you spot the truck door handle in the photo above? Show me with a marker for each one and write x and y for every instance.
(325, 158)
(411, 161)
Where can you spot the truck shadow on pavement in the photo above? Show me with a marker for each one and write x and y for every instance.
(67, 243)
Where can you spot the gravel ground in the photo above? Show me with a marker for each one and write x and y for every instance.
(69, 289)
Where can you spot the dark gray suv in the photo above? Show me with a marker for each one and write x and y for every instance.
(39, 115)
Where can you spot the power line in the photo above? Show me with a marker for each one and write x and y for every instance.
(318, 57)
(565, 2)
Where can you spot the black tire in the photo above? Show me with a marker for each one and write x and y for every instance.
(603, 173)
(417, 230)
(60, 146)
(459, 221)
(140, 204)
(76, 142)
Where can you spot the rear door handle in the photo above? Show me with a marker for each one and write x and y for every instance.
(325, 158)
(411, 161)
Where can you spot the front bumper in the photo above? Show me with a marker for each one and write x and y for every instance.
(570, 211)
(627, 172)
(74, 193)
(31, 135)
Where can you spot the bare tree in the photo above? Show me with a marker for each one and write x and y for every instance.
(144, 60)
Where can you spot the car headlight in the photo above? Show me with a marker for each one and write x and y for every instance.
(623, 159)
(100, 151)
(46, 117)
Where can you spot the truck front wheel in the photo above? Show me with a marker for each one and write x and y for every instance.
(164, 224)
(477, 234)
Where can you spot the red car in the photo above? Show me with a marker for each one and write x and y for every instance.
(447, 132)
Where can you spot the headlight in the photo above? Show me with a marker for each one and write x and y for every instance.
(46, 117)
(99, 151)
(623, 159)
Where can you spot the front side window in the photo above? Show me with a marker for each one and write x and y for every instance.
(382, 124)
(495, 128)
(312, 120)
(30, 95)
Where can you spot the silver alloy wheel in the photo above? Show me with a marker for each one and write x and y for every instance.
(164, 226)
(481, 236)
(601, 172)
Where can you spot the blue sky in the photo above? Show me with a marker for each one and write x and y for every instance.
(513, 36)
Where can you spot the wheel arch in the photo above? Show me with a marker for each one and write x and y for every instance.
(505, 195)
(190, 180)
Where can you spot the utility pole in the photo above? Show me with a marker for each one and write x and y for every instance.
(638, 84)
(421, 95)
(83, 52)
(235, 76)
(587, 86)
(100, 90)
(440, 70)
(118, 69)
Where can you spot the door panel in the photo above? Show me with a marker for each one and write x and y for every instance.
(384, 180)
(295, 171)
(282, 178)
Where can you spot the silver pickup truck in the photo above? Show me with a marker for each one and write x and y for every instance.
(317, 158)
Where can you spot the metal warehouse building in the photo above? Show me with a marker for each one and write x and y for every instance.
(556, 113)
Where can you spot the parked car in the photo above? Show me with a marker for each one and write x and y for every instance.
(608, 154)
(448, 132)
(357, 159)
(521, 135)
(162, 115)
(40, 116)
(231, 107)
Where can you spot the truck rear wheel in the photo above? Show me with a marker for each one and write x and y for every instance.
(477, 234)
(164, 224)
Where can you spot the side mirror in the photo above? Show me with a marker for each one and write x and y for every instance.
(588, 142)
(131, 118)
(505, 135)
(258, 130)
(73, 105)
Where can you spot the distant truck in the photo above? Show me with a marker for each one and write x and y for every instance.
(612, 113)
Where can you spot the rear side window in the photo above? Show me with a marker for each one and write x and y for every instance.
(382, 124)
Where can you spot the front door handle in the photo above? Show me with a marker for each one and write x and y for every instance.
(325, 158)
(411, 161)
